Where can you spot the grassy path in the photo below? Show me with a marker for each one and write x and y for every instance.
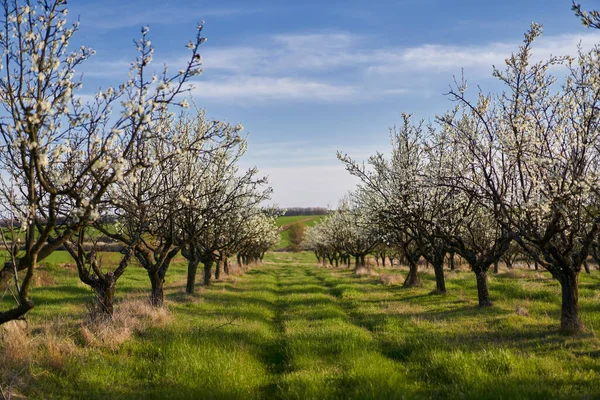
(291, 330)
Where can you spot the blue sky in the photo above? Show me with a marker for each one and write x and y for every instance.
(312, 77)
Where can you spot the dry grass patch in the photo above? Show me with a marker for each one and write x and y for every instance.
(364, 271)
(522, 311)
(516, 274)
(391, 279)
(43, 278)
(130, 317)
(51, 348)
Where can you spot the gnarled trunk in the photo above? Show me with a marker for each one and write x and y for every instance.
(191, 276)
(440, 280)
(157, 296)
(412, 279)
(226, 265)
(482, 288)
(104, 290)
(218, 270)
(207, 272)
(569, 319)
(587, 267)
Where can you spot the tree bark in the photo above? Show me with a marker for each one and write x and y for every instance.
(482, 289)
(440, 281)
(496, 267)
(412, 279)
(218, 270)
(569, 319)
(105, 294)
(191, 276)
(207, 272)
(452, 266)
(157, 296)
(586, 266)
(226, 265)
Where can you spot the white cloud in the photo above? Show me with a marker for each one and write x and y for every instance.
(266, 88)
(342, 67)
(433, 57)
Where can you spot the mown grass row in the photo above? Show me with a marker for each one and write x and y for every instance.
(288, 329)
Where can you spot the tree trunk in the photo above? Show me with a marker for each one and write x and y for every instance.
(482, 289)
(191, 276)
(157, 296)
(226, 265)
(218, 270)
(412, 279)
(207, 272)
(440, 281)
(356, 262)
(536, 266)
(569, 319)
(383, 260)
(452, 266)
(105, 294)
(496, 268)
(586, 266)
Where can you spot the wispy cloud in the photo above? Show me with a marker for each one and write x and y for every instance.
(268, 88)
(481, 58)
(342, 67)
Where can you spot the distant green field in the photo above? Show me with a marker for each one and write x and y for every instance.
(285, 222)
(281, 221)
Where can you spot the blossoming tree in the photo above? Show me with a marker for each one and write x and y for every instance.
(534, 148)
(60, 155)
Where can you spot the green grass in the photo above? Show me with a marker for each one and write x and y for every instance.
(285, 222)
(291, 330)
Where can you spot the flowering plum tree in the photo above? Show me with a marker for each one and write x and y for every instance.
(59, 155)
(218, 202)
(533, 150)
(405, 199)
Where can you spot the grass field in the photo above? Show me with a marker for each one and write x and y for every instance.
(285, 222)
(291, 330)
